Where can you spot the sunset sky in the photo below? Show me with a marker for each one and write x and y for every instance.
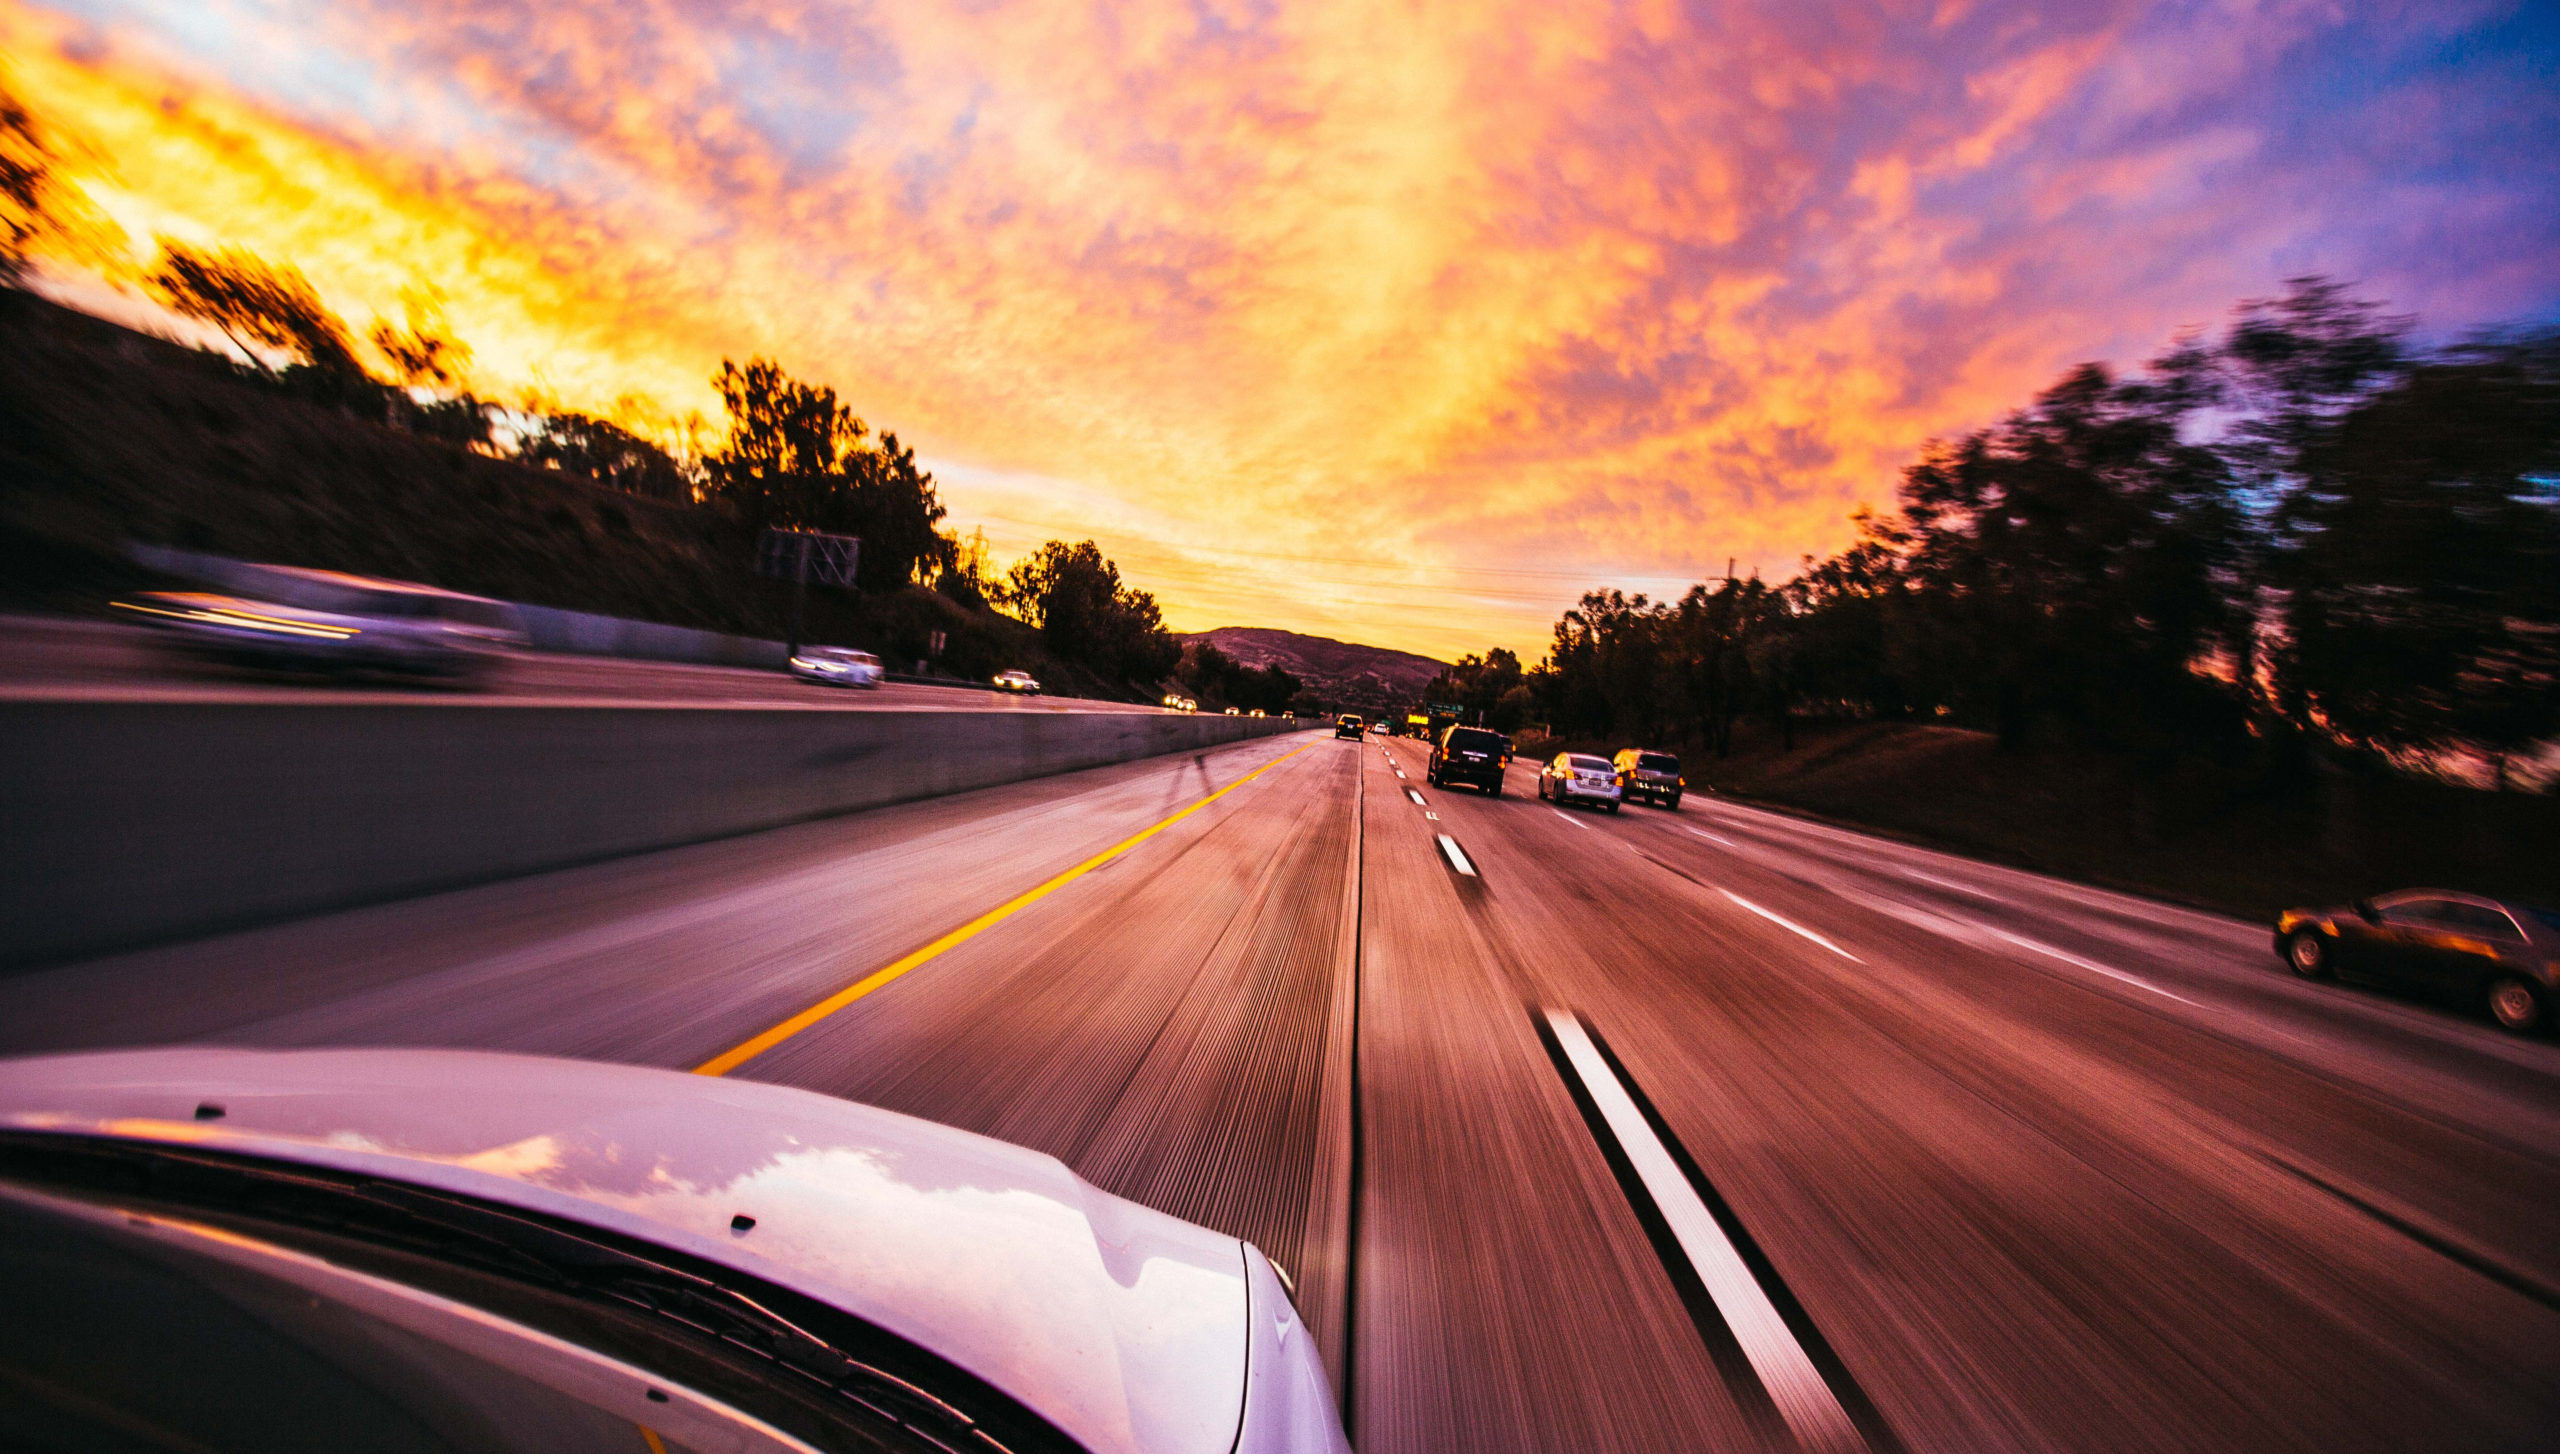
(1402, 323)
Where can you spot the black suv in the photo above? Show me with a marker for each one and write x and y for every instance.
(1347, 725)
(1471, 755)
(1652, 776)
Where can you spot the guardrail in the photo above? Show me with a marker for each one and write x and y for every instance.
(133, 822)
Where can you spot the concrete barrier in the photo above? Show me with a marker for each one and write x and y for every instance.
(123, 823)
(548, 628)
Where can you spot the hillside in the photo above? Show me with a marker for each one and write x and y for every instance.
(1339, 671)
(109, 436)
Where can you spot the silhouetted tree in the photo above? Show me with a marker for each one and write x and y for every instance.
(423, 353)
(255, 304)
(1074, 595)
(797, 457)
(610, 455)
(1217, 680)
(37, 207)
(2419, 566)
(2303, 532)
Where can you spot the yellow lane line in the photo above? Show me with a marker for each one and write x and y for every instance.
(737, 1055)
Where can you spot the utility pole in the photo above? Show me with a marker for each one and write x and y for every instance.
(799, 592)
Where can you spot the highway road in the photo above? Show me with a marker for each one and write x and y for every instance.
(69, 659)
(1646, 1131)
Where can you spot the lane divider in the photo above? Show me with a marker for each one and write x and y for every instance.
(1568, 817)
(1417, 797)
(1713, 837)
(1812, 1410)
(1790, 924)
(1457, 857)
(739, 1054)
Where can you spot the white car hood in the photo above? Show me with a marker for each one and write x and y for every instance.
(1125, 1327)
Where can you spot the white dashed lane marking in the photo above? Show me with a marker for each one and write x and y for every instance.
(1457, 859)
(1790, 925)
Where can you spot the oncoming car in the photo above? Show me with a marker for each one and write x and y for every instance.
(428, 1249)
(837, 666)
(1578, 777)
(1017, 681)
(1652, 776)
(2477, 950)
(337, 624)
(1348, 725)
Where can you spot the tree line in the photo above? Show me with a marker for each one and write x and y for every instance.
(792, 454)
(2306, 538)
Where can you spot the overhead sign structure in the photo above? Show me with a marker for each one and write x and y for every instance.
(803, 556)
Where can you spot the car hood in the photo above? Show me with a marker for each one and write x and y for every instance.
(1125, 1327)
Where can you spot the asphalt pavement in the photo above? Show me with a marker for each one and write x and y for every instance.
(1648, 1130)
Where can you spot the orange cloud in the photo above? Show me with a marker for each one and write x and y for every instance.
(1397, 323)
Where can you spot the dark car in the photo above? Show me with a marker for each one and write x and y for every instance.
(1475, 756)
(1652, 776)
(2436, 940)
(1347, 725)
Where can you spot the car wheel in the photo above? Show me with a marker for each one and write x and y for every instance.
(1674, 805)
(1496, 790)
(1613, 807)
(2515, 1004)
(2307, 953)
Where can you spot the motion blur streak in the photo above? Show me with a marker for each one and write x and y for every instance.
(737, 1055)
(1607, 287)
(2020, 1205)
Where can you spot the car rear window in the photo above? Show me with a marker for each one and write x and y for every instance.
(1466, 739)
(1657, 762)
(2550, 917)
(1590, 764)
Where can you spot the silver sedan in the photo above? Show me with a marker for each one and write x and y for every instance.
(1576, 777)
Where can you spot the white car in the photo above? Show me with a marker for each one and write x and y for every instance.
(1577, 777)
(837, 666)
(454, 1249)
(325, 621)
(1017, 681)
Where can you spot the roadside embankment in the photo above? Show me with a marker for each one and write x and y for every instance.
(133, 822)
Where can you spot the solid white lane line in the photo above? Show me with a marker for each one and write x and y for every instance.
(1986, 936)
(2091, 965)
(1713, 837)
(1792, 925)
(1410, 793)
(1568, 817)
(1457, 859)
(1794, 1384)
(1948, 883)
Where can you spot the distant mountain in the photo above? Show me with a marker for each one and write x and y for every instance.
(1341, 671)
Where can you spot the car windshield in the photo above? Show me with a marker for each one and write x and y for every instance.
(410, 1297)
